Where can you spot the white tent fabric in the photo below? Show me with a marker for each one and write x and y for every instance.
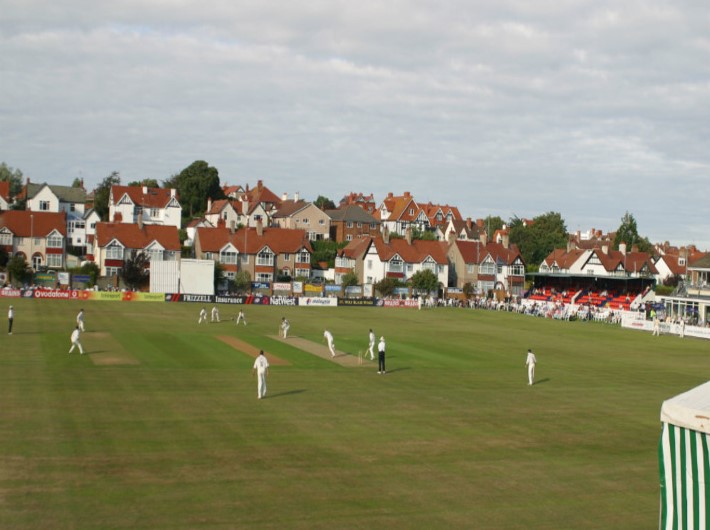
(684, 460)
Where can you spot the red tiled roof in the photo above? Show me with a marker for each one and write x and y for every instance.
(153, 198)
(25, 223)
(414, 253)
(5, 190)
(131, 236)
(247, 240)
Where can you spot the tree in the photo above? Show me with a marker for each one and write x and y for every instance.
(491, 224)
(92, 269)
(386, 286)
(19, 270)
(135, 273)
(242, 281)
(324, 203)
(149, 183)
(325, 250)
(4, 257)
(195, 184)
(350, 280)
(219, 275)
(628, 233)
(426, 235)
(13, 176)
(102, 193)
(536, 241)
(77, 183)
(469, 289)
(425, 281)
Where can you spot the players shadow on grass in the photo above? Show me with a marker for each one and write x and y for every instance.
(287, 393)
(401, 369)
(541, 381)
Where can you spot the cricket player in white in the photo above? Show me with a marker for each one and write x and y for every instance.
(215, 314)
(329, 337)
(261, 367)
(530, 362)
(75, 341)
(80, 320)
(241, 318)
(285, 326)
(371, 347)
(203, 316)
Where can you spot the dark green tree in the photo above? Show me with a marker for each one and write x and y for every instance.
(425, 281)
(4, 257)
(19, 270)
(325, 250)
(150, 183)
(102, 193)
(628, 233)
(324, 203)
(536, 241)
(242, 281)
(13, 176)
(92, 269)
(195, 184)
(491, 224)
(426, 235)
(350, 280)
(135, 273)
(77, 183)
(219, 275)
(386, 286)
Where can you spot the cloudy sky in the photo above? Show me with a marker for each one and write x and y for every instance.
(507, 107)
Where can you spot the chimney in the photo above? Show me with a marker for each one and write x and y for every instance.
(232, 226)
(634, 248)
(484, 238)
(622, 248)
(245, 208)
(296, 196)
(386, 235)
(469, 223)
(145, 190)
(259, 185)
(408, 235)
(505, 240)
(284, 196)
(139, 220)
(259, 227)
(209, 204)
(452, 237)
(406, 194)
(389, 195)
(605, 248)
(173, 192)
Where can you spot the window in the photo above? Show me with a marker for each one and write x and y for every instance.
(517, 270)
(359, 225)
(228, 257)
(303, 257)
(44, 206)
(488, 268)
(305, 221)
(410, 267)
(369, 264)
(373, 226)
(263, 277)
(470, 268)
(5, 239)
(93, 226)
(286, 256)
(411, 211)
(303, 272)
(72, 207)
(265, 257)
(321, 222)
(155, 255)
(349, 237)
(208, 255)
(113, 271)
(244, 259)
(54, 260)
(55, 241)
(230, 275)
(396, 265)
(154, 213)
(349, 224)
(114, 252)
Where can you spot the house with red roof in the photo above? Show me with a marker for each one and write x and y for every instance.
(266, 253)
(4, 195)
(222, 213)
(115, 243)
(440, 215)
(366, 202)
(399, 213)
(383, 257)
(40, 237)
(151, 206)
(303, 215)
(351, 221)
(488, 265)
(465, 230)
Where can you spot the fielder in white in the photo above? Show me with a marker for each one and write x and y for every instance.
(75, 341)
(371, 347)
(203, 316)
(530, 362)
(80, 320)
(261, 367)
(656, 327)
(215, 314)
(241, 317)
(328, 336)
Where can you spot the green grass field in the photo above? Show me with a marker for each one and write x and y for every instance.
(167, 433)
